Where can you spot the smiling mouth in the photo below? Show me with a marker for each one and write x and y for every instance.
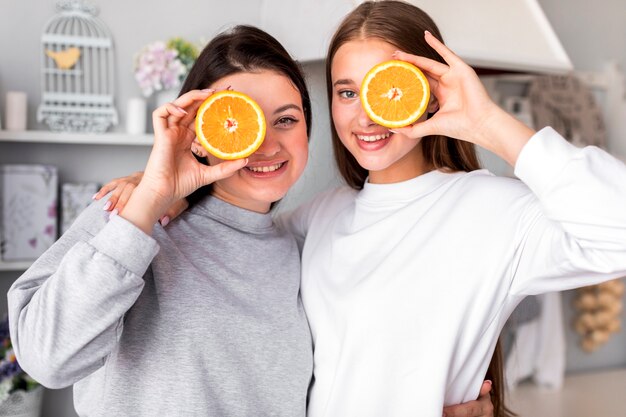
(267, 168)
(373, 138)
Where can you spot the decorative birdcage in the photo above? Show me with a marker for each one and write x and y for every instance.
(77, 69)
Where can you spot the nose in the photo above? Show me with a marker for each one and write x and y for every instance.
(363, 119)
(270, 145)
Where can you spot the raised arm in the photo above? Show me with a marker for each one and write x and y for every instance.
(573, 230)
(572, 227)
(66, 312)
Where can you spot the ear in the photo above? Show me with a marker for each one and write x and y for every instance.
(198, 149)
(433, 104)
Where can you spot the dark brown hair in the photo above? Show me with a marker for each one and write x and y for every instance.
(244, 49)
(403, 25)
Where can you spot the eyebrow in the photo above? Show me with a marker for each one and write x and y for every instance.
(343, 81)
(287, 107)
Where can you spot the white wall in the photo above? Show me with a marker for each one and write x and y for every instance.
(592, 33)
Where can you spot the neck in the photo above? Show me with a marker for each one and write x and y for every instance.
(409, 166)
(252, 205)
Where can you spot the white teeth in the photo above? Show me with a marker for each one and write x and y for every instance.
(268, 168)
(373, 138)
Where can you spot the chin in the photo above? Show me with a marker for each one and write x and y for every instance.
(269, 197)
(373, 164)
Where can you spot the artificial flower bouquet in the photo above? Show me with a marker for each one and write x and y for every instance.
(164, 65)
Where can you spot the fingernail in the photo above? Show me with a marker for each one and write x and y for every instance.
(395, 53)
(107, 206)
(94, 196)
(245, 162)
(208, 90)
(165, 220)
(393, 131)
(490, 383)
(182, 110)
(427, 33)
(113, 214)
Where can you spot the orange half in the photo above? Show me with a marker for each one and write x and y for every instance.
(230, 125)
(395, 94)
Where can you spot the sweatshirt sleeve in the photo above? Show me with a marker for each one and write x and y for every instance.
(574, 233)
(66, 311)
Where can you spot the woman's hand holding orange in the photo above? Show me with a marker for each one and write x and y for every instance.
(466, 111)
(172, 171)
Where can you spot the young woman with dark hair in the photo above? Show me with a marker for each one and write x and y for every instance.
(153, 321)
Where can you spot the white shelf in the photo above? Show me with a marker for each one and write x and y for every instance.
(42, 136)
(15, 266)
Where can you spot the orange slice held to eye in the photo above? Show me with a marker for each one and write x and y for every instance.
(230, 125)
(395, 94)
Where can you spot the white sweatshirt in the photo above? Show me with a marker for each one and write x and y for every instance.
(407, 285)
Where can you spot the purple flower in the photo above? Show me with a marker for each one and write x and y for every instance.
(158, 68)
(8, 369)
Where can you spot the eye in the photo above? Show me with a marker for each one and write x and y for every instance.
(286, 121)
(348, 94)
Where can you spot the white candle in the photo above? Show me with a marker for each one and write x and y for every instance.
(16, 110)
(136, 109)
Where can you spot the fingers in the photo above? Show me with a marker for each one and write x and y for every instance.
(106, 189)
(418, 130)
(468, 409)
(191, 101)
(222, 170)
(120, 190)
(433, 68)
(126, 191)
(484, 400)
(485, 389)
(119, 197)
(181, 111)
(174, 211)
(430, 67)
(447, 55)
(482, 407)
(166, 114)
